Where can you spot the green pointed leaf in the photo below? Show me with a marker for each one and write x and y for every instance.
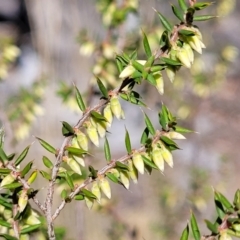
(8, 237)
(119, 65)
(182, 4)
(121, 166)
(144, 136)
(178, 13)
(69, 180)
(22, 156)
(93, 172)
(212, 227)
(88, 194)
(201, 5)
(30, 229)
(107, 151)
(165, 22)
(79, 197)
(150, 78)
(132, 98)
(64, 194)
(163, 118)
(26, 169)
(79, 99)
(219, 207)
(149, 162)
(3, 156)
(185, 233)
(138, 66)
(203, 17)
(194, 227)
(149, 124)
(12, 185)
(182, 130)
(133, 55)
(6, 204)
(128, 142)
(112, 177)
(146, 45)
(98, 116)
(102, 88)
(164, 40)
(76, 151)
(157, 68)
(11, 156)
(187, 33)
(45, 175)
(169, 142)
(236, 200)
(170, 61)
(17, 216)
(5, 223)
(4, 171)
(224, 201)
(47, 162)
(67, 129)
(47, 146)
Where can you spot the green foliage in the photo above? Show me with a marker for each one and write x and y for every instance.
(175, 51)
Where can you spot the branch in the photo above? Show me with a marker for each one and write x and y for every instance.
(102, 172)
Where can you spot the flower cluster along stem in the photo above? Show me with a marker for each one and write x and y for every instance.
(102, 172)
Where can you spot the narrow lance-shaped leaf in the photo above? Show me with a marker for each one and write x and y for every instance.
(88, 194)
(194, 227)
(164, 22)
(47, 162)
(144, 136)
(79, 99)
(12, 185)
(178, 13)
(47, 146)
(26, 169)
(76, 151)
(69, 180)
(5, 223)
(30, 228)
(22, 156)
(121, 166)
(3, 156)
(224, 201)
(149, 124)
(203, 17)
(45, 175)
(185, 32)
(112, 177)
(98, 116)
(185, 233)
(8, 237)
(201, 5)
(128, 142)
(67, 129)
(146, 45)
(182, 5)
(149, 162)
(107, 151)
(32, 177)
(171, 62)
(102, 88)
(212, 227)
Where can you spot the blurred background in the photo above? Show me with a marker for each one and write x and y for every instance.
(47, 45)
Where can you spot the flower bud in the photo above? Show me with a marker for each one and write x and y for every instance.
(107, 113)
(133, 173)
(115, 172)
(89, 202)
(176, 135)
(32, 220)
(159, 82)
(96, 191)
(158, 158)
(127, 71)
(167, 156)
(182, 55)
(25, 237)
(7, 214)
(195, 43)
(225, 236)
(105, 187)
(22, 200)
(101, 128)
(189, 52)
(171, 72)
(92, 134)
(74, 165)
(8, 179)
(138, 162)
(74, 143)
(79, 159)
(116, 107)
(124, 179)
(82, 140)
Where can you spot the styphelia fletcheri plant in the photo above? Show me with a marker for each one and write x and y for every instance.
(176, 49)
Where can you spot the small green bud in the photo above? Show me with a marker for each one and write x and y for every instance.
(171, 72)
(124, 179)
(127, 71)
(176, 135)
(7, 214)
(32, 177)
(22, 200)
(79, 160)
(82, 140)
(89, 202)
(8, 179)
(92, 134)
(133, 173)
(32, 220)
(158, 158)
(160, 83)
(74, 165)
(167, 156)
(182, 55)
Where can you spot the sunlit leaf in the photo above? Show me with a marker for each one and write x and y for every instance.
(128, 142)
(79, 99)
(47, 146)
(102, 88)
(107, 151)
